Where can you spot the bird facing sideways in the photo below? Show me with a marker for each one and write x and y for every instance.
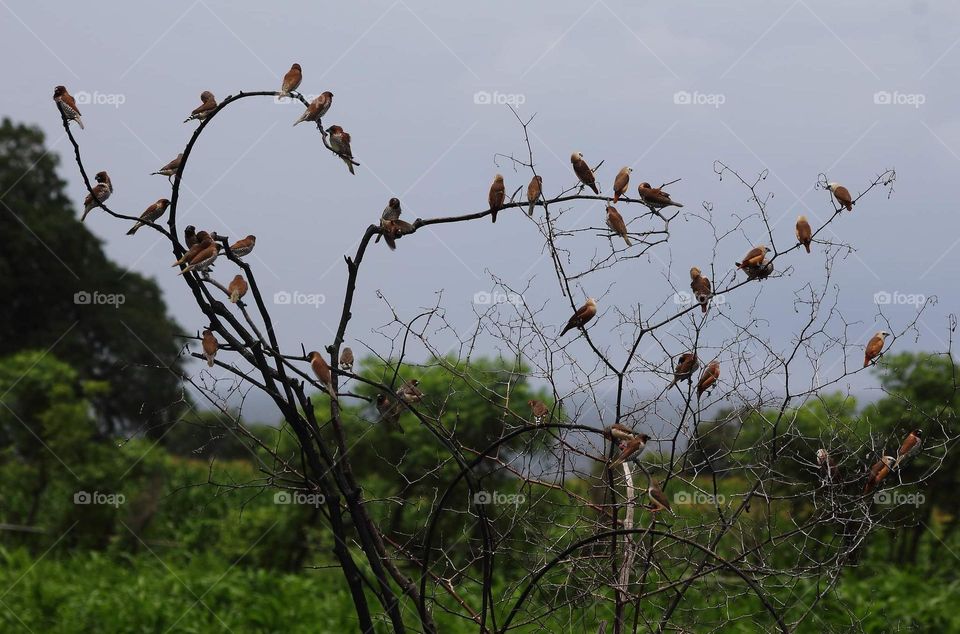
(150, 214)
(67, 105)
(583, 172)
(617, 225)
(580, 318)
(321, 369)
(874, 347)
(208, 103)
(842, 194)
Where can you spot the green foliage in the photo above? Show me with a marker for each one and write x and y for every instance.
(48, 258)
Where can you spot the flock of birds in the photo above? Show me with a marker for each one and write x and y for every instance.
(203, 249)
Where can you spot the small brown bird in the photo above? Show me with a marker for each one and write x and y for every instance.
(190, 236)
(317, 108)
(101, 192)
(496, 196)
(322, 371)
(655, 197)
(700, 285)
(534, 191)
(708, 377)
(879, 471)
(210, 347)
(67, 105)
(874, 347)
(291, 81)
(346, 360)
(754, 257)
(687, 364)
(170, 169)
(393, 230)
(237, 288)
(539, 410)
(842, 194)
(340, 142)
(580, 318)
(658, 501)
(243, 246)
(392, 211)
(204, 259)
(804, 232)
(208, 103)
(621, 182)
(618, 432)
(203, 241)
(150, 214)
(583, 172)
(631, 450)
(616, 224)
(828, 465)
(911, 445)
(410, 392)
(390, 230)
(390, 410)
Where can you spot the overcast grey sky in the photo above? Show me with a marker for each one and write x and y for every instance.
(791, 87)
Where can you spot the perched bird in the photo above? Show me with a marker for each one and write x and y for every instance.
(204, 258)
(170, 169)
(583, 172)
(658, 501)
(618, 432)
(317, 108)
(340, 142)
(203, 241)
(687, 364)
(616, 224)
(391, 227)
(190, 236)
(621, 182)
(655, 197)
(754, 257)
(496, 196)
(67, 105)
(911, 445)
(708, 377)
(237, 288)
(322, 370)
(631, 450)
(208, 103)
(410, 392)
(700, 285)
(390, 410)
(210, 346)
(879, 471)
(243, 246)
(291, 81)
(584, 314)
(346, 360)
(534, 190)
(539, 411)
(804, 233)
(842, 194)
(828, 465)
(150, 214)
(101, 192)
(874, 347)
